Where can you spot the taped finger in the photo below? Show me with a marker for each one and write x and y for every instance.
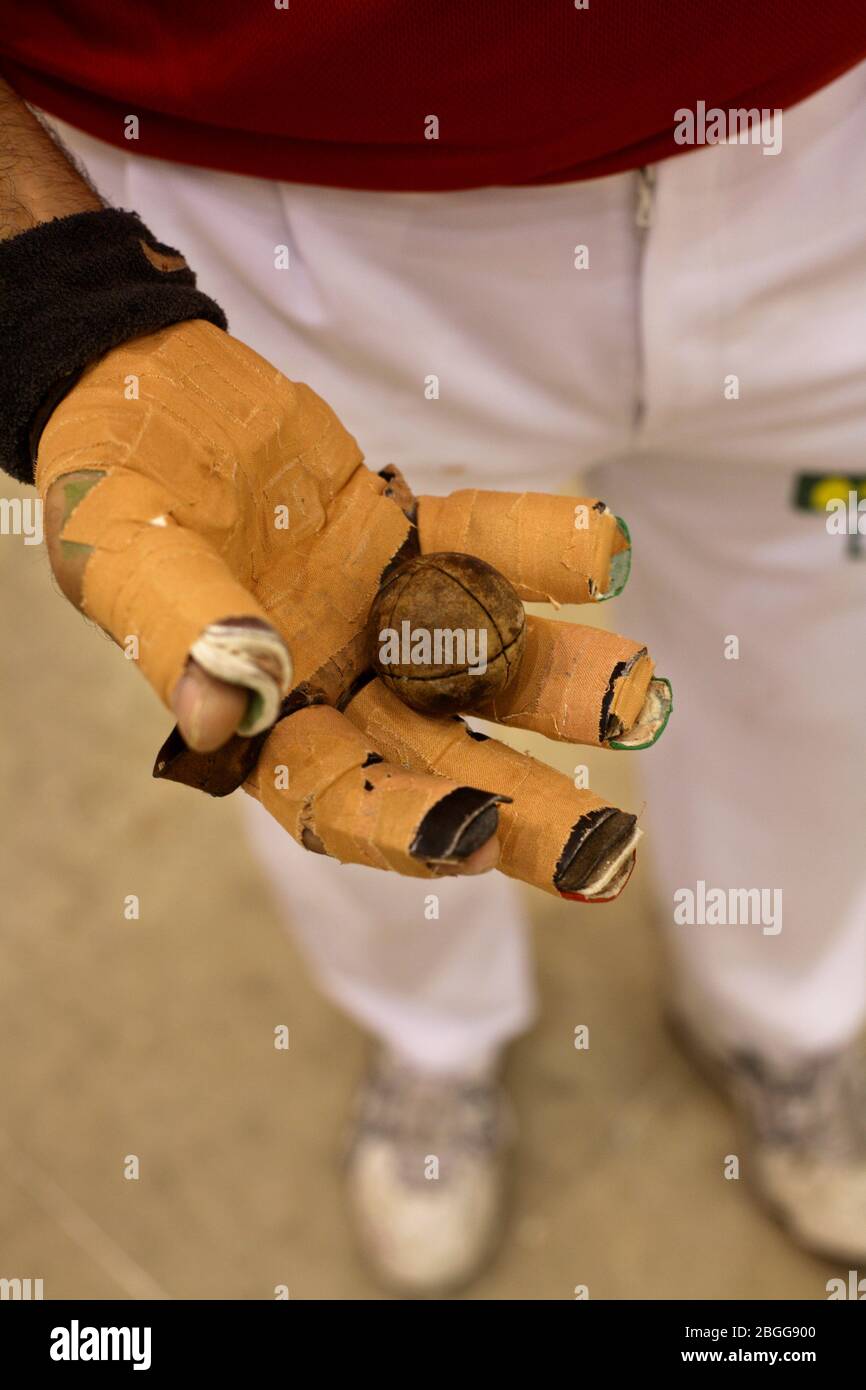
(163, 587)
(329, 785)
(554, 835)
(583, 685)
(552, 549)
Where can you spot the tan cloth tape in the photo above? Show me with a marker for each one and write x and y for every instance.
(533, 831)
(529, 537)
(362, 815)
(160, 583)
(215, 441)
(319, 594)
(562, 680)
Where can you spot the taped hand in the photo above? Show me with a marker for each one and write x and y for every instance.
(219, 516)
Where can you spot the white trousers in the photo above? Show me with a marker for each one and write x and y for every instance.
(754, 267)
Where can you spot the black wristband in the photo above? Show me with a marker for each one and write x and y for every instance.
(70, 290)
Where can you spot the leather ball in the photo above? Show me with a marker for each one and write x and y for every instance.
(446, 632)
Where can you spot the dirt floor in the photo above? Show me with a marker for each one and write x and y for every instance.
(154, 1038)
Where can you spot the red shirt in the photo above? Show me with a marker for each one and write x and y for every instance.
(340, 91)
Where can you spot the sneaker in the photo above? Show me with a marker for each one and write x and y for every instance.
(805, 1125)
(426, 1174)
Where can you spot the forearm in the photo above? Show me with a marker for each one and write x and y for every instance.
(59, 241)
(37, 181)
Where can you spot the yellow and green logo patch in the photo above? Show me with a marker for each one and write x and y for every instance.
(840, 498)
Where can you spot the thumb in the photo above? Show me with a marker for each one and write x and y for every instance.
(168, 598)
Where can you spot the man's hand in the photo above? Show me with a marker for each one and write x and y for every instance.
(219, 517)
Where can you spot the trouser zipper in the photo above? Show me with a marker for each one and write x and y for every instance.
(643, 216)
(645, 196)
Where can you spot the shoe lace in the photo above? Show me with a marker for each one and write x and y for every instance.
(451, 1119)
(817, 1106)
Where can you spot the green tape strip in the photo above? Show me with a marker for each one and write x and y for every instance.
(620, 567)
